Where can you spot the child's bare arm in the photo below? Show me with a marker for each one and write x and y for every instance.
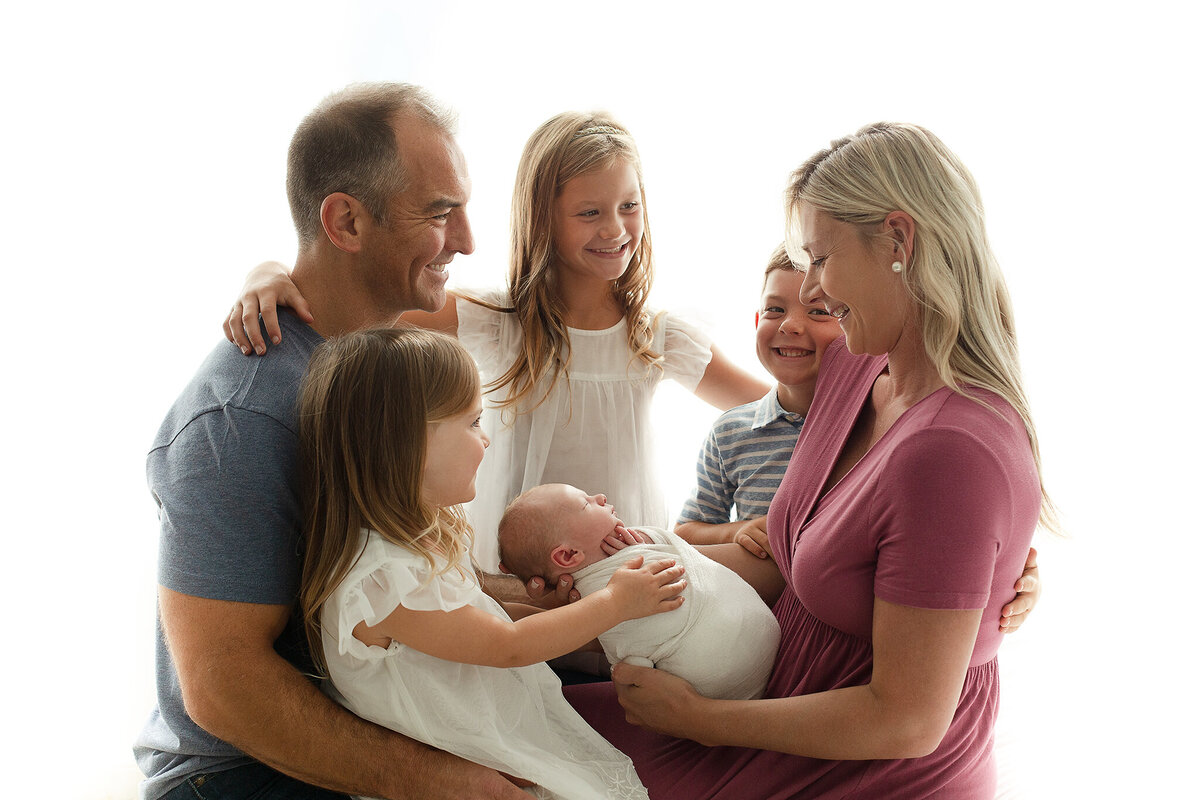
(472, 636)
(750, 534)
(268, 286)
(725, 384)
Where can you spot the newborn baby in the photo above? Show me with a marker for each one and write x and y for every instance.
(723, 639)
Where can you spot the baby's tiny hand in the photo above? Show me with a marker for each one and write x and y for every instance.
(623, 537)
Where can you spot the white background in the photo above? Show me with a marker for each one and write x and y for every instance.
(142, 168)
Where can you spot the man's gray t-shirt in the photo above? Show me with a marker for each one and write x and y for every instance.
(223, 470)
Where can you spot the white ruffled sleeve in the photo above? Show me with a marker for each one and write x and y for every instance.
(687, 351)
(479, 328)
(385, 577)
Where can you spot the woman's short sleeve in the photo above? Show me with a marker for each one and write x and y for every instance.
(686, 350)
(479, 327)
(946, 512)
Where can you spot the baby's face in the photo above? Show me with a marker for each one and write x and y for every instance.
(586, 518)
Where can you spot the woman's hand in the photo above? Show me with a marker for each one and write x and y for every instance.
(267, 286)
(658, 700)
(640, 589)
(1029, 591)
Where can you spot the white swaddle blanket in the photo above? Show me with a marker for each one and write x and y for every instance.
(722, 640)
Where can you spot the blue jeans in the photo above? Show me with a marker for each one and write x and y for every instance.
(248, 782)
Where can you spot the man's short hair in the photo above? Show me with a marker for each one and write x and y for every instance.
(348, 144)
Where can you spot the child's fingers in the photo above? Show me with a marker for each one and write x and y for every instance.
(671, 595)
(669, 578)
(748, 543)
(658, 566)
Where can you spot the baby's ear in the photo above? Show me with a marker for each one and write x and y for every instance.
(505, 569)
(566, 557)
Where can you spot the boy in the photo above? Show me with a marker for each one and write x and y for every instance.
(747, 450)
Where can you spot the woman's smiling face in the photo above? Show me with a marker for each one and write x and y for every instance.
(851, 275)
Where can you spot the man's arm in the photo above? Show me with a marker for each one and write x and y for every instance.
(240, 690)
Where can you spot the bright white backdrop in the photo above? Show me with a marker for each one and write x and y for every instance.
(142, 165)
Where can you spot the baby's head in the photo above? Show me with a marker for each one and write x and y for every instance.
(554, 529)
(791, 336)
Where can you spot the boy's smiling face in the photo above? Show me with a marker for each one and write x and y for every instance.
(791, 336)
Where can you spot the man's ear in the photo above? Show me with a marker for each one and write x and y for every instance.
(566, 557)
(343, 217)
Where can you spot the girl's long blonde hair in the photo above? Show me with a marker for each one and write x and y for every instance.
(564, 147)
(364, 408)
(966, 313)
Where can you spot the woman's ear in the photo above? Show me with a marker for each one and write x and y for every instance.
(342, 217)
(902, 229)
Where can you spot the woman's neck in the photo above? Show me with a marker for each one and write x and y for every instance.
(911, 375)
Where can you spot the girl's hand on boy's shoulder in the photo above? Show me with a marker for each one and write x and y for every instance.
(623, 537)
(753, 537)
(641, 589)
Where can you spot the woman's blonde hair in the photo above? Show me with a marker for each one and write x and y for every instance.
(564, 147)
(364, 408)
(966, 314)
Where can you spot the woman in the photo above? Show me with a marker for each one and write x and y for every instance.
(903, 520)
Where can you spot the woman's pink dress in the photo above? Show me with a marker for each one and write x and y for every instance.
(939, 514)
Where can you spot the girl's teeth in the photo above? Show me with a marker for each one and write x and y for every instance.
(840, 313)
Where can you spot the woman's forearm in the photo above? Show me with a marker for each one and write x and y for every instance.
(843, 724)
(920, 659)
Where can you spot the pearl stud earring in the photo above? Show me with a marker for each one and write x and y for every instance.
(897, 266)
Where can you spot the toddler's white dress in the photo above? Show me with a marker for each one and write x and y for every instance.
(592, 432)
(513, 720)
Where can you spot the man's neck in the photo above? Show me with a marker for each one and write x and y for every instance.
(338, 303)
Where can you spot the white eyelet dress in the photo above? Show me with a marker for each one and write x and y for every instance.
(592, 431)
(513, 720)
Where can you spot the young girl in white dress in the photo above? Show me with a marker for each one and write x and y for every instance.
(391, 441)
(570, 353)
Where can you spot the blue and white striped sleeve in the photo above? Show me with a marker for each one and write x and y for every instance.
(712, 499)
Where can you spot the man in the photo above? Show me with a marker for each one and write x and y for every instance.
(378, 189)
